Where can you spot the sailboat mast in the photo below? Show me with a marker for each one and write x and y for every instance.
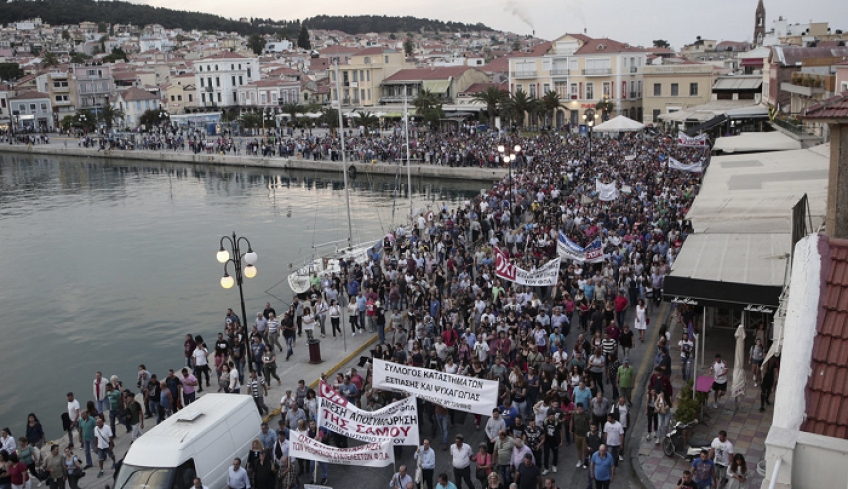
(344, 161)
(408, 169)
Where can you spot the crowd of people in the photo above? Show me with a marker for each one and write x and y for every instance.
(431, 293)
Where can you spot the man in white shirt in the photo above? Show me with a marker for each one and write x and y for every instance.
(200, 361)
(99, 391)
(613, 436)
(400, 479)
(721, 451)
(719, 371)
(237, 477)
(105, 444)
(461, 454)
(73, 417)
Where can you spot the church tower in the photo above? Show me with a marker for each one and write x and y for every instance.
(760, 24)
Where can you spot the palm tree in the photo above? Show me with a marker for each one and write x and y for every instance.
(330, 117)
(549, 103)
(428, 107)
(606, 107)
(493, 97)
(520, 104)
(251, 120)
(109, 114)
(49, 59)
(292, 109)
(366, 119)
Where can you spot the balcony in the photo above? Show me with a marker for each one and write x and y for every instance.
(632, 95)
(559, 72)
(524, 74)
(801, 90)
(633, 69)
(597, 71)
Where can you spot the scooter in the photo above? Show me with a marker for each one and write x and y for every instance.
(673, 443)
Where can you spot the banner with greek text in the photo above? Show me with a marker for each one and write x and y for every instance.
(368, 455)
(544, 276)
(397, 422)
(688, 167)
(606, 191)
(594, 253)
(699, 141)
(452, 391)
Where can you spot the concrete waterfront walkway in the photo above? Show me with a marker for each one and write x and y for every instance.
(63, 146)
(335, 359)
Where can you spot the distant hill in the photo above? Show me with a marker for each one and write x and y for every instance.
(58, 12)
(360, 24)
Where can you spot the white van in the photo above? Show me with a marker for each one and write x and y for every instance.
(200, 440)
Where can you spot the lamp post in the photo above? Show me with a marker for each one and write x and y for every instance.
(589, 116)
(509, 158)
(238, 259)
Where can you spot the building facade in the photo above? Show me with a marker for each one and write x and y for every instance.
(218, 77)
(32, 111)
(93, 85)
(133, 103)
(675, 86)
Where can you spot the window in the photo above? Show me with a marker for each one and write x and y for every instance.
(203, 97)
(241, 98)
(179, 98)
(234, 80)
(590, 91)
(657, 89)
(693, 89)
(385, 59)
(656, 115)
(367, 60)
(248, 73)
(202, 83)
(361, 75)
(219, 96)
(546, 87)
(674, 90)
(232, 66)
(200, 68)
(263, 98)
(138, 105)
(574, 91)
(32, 107)
(607, 88)
(639, 88)
(43, 106)
(217, 81)
(369, 94)
(216, 67)
(532, 90)
(190, 98)
(173, 98)
(355, 76)
(241, 81)
(362, 93)
(368, 75)
(274, 97)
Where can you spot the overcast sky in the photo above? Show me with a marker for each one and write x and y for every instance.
(635, 22)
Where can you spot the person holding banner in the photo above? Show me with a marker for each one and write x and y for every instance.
(426, 457)
(401, 479)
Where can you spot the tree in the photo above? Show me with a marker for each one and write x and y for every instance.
(549, 104)
(256, 43)
(330, 117)
(66, 36)
(282, 34)
(49, 59)
(661, 43)
(292, 109)
(79, 58)
(493, 97)
(519, 105)
(116, 54)
(606, 107)
(109, 115)
(101, 27)
(366, 119)
(516, 45)
(251, 120)
(428, 107)
(392, 36)
(303, 38)
(151, 118)
(10, 71)
(408, 47)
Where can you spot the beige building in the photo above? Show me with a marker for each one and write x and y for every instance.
(583, 71)
(59, 85)
(675, 85)
(445, 83)
(363, 76)
(181, 94)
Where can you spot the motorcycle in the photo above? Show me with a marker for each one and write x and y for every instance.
(673, 442)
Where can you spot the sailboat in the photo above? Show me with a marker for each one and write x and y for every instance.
(300, 280)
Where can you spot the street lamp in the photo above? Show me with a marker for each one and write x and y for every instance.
(589, 117)
(509, 159)
(243, 266)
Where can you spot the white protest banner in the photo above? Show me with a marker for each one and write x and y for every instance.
(699, 141)
(452, 391)
(368, 455)
(544, 276)
(688, 167)
(606, 191)
(397, 422)
(594, 253)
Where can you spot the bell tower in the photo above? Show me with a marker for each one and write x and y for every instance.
(759, 24)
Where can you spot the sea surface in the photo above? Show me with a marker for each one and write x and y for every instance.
(107, 265)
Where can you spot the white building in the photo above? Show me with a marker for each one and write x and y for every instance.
(278, 46)
(32, 110)
(134, 102)
(219, 76)
(269, 93)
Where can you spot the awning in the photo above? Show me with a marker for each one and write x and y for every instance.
(752, 62)
(739, 271)
(437, 86)
(741, 82)
(755, 142)
(748, 113)
(706, 126)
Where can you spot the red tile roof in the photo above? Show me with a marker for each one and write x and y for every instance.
(609, 46)
(135, 93)
(827, 388)
(31, 95)
(835, 107)
(481, 87)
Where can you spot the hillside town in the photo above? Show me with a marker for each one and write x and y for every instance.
(132, 78)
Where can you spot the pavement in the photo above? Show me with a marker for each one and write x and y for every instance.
(746, 427)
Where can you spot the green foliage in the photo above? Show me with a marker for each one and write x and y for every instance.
(251, 120)
(151, 118)
(361, 24)
(392, 36)
(688, 409)
(408, 47)
(79, 57)
(282, 34)
(428, 107)
(548, 105)
(256, 43)
(606, 107)
(10, 71)
(116, 54)
(303, 38)
(66, 36)
(493, 97)
(661, 43)
(101, 27)
(520, 104)
(292, 109)
(330, 117)
(366, 120)
(109, 115)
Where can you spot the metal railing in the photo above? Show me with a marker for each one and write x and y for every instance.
(633, 69)
(559, 71)
(598, 71)
(524, 74)
(791, 126)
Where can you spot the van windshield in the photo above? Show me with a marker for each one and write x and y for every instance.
(131, 477)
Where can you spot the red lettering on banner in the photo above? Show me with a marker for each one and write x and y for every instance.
(326, 390)
(503, 268)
